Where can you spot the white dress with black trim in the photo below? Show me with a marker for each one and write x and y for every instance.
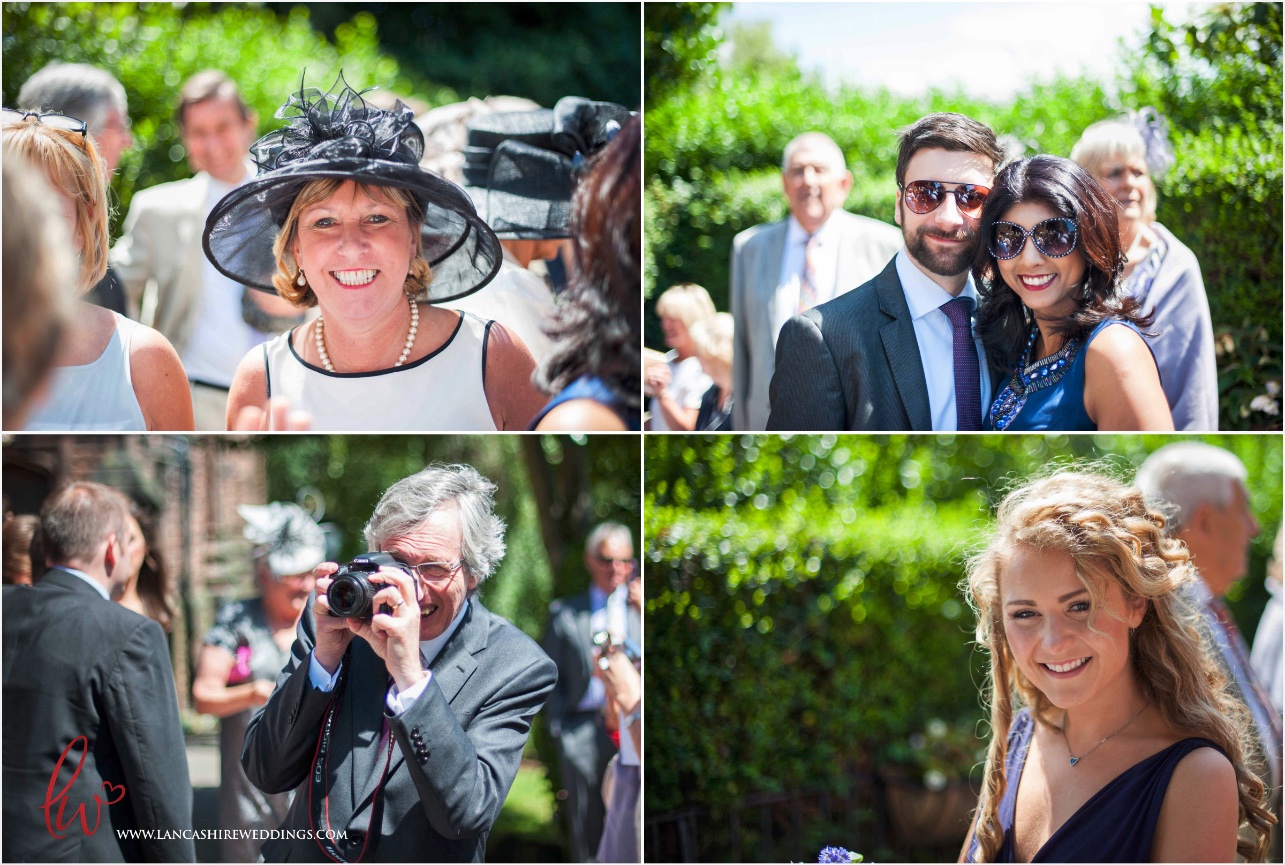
(444, 391)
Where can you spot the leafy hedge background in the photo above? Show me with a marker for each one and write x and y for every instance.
(803, 598)
(716, 130)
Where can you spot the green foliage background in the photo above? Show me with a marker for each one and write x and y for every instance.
(715, 136)
(803, 596)
(437, 53)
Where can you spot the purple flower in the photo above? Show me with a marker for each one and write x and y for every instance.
(837, 854)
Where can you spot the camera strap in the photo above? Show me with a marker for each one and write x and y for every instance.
(319, 811)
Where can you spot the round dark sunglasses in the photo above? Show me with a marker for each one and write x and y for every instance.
(925, 196)
(1054, 237)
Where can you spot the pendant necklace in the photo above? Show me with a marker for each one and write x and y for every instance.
(1075, 759)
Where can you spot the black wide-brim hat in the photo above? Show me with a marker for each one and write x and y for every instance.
(337, 135)
(521, 167)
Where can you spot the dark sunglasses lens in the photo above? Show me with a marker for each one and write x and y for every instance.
(1055, 237)
(924, 196)
(1006, 241)
(971, 198)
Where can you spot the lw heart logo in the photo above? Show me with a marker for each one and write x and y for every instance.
(56, 819)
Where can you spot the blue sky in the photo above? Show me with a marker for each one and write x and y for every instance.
(991, 50)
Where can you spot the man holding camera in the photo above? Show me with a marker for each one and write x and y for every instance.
(576, 704)
(403, 728)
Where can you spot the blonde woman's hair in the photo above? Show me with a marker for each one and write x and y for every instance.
(419, 275)
(73, 167)
(687, 302)
(712, 338)
(1110, 533)
(1107, 140)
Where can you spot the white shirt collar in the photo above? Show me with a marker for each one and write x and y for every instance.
(922, 294)
(432, 648)
(797, 234)
(98, 587)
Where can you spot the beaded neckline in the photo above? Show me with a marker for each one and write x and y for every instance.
(1030, 377)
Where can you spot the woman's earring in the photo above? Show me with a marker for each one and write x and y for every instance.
(299, 279)
(1133, 631)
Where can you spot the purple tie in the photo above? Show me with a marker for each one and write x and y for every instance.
(968, 388)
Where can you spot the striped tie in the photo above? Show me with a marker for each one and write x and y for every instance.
(808, 296)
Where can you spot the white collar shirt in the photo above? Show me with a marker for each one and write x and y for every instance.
(935, 336)
(825, 268)
(98, 587)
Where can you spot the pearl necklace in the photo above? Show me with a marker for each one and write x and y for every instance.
(410, 337)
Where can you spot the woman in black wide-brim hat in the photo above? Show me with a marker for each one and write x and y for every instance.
(341, 217)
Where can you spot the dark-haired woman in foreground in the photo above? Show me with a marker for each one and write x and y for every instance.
(1114, 736)
(1048, 271)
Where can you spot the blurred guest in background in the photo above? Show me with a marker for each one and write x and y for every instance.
(676, 388)
(1266, 654)
(39, 275)
(17, 565)
(111, 373)
(96, 97)
(594, 371)
(211, 320)
(85, 670)
(783, 268)
(712, 339)
(246, 651)
(577, 702)
(622, 682)
(1160, 272)
(148, 590)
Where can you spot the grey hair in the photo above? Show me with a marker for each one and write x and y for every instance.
(79, 517)
(1181, 477)
(821, 142)
(410, 501)
(604, 532)
(77, 90)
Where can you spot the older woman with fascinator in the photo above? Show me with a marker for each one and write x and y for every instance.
(111, 373)
(1159, 272)
(247, 649)
(341, 217)
(1052, 316)
(1114, 736)
(594, 372)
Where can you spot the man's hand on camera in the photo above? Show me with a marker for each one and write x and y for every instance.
(394, 636)
(333, 633)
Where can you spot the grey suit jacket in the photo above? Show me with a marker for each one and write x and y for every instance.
(865, 244)
(77, 665)
(455, 754)
(852, 364)
(159, 257)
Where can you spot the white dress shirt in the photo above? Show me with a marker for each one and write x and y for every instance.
(825, 266)
(936, 339)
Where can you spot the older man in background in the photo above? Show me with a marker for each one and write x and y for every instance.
(783, 268)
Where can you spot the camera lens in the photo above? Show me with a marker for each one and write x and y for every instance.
(350, 595)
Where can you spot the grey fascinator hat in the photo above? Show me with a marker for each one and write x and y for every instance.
(521, 167)
(339, 135)
(285, 535)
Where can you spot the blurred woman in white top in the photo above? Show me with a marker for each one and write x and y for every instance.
(676, 388)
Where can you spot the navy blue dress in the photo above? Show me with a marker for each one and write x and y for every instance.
(594, 388)
(1049, 394)
(1118, 822)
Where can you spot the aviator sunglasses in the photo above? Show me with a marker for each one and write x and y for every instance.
(925, 196)
(1054, 237)
(11, 117)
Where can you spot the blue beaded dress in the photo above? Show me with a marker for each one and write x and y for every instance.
(1048, 394)
(1117, 824)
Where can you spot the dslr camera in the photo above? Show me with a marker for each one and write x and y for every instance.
(352, 594)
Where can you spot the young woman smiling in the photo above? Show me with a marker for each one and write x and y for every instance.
(1113, 737)
(1048, 271)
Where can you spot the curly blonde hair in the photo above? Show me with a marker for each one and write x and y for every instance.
(1111, 534)
(417, 278)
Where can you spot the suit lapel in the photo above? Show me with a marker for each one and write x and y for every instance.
(768, 277)
(902, 349)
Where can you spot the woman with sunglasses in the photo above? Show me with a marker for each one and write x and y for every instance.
(1048, 272)
(111, 373)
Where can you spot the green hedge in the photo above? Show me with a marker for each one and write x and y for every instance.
(714, 147)
(803, 613)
